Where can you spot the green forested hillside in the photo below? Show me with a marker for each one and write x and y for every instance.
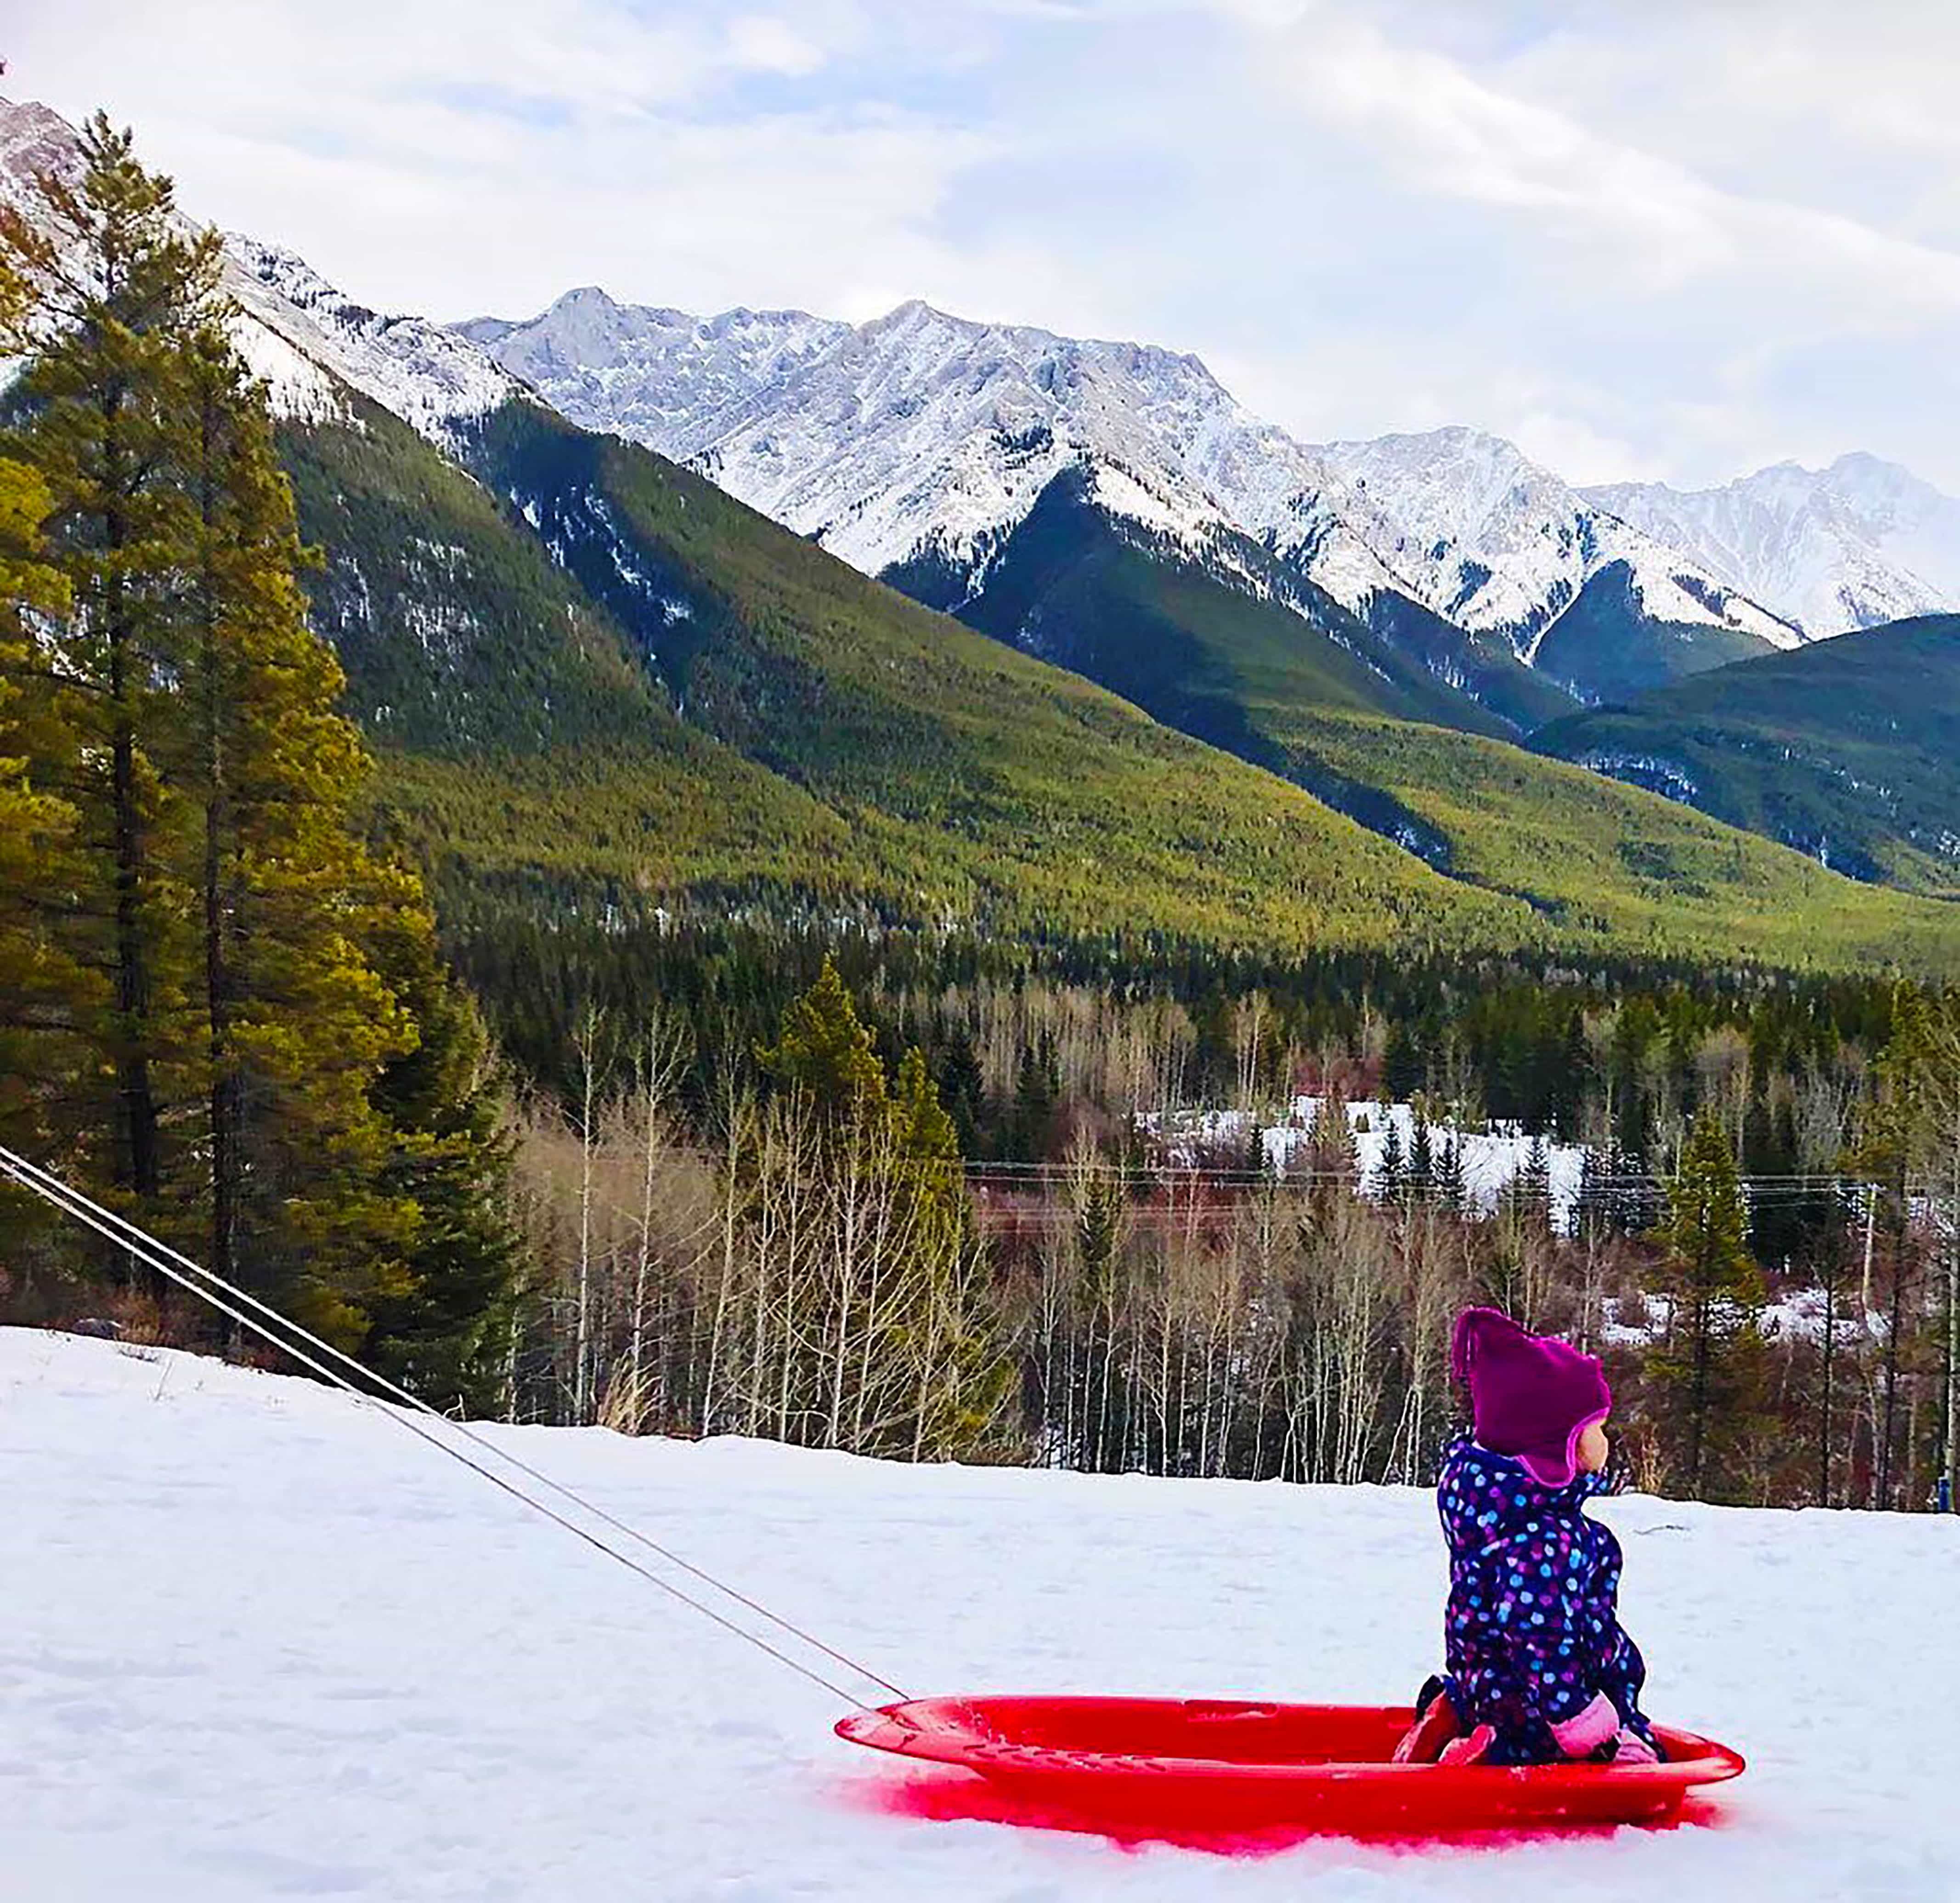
(1151, 622)
(1610, 647)
(1844, 749)
(1606, 863)
(458, 630)
(836, 747)
(659, 694)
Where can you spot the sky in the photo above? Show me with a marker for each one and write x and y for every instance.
(1672, 240)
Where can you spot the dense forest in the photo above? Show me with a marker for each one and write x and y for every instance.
(911, 1192)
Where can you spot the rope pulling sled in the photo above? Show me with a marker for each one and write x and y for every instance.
(1127, 1762)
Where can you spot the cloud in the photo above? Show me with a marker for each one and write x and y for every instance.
(1642, 236)
(771, 45)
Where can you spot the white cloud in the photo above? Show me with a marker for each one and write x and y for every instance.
(771, 45)
(1642, 236)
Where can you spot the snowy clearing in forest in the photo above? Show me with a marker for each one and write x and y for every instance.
(259, 1643)
(1495, 1155)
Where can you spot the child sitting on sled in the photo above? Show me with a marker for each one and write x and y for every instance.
(1538, 1670)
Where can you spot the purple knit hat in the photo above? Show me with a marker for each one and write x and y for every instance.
(1532, 1396)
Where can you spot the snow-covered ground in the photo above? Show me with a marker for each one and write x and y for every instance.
(258, 1643)
(1493, 1156)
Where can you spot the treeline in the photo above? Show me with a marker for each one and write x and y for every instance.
(769, 1272)
(1562, 1050)
(218, 1005)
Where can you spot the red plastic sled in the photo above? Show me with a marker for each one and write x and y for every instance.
(1228, 1766)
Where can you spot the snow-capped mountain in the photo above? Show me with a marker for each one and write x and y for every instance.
(655, 371)
(1495, 542)
(427, 374)
(307, 341)
(920, 436)
(917, 433)
(1860, 542)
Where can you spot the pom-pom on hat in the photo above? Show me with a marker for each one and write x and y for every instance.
(1532, 1396)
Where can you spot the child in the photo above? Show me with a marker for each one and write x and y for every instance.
(1538, 1670)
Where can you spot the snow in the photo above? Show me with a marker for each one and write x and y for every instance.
(1492, 1156)
(264, 1644)
(298, 385)
(425, 373)
(309, 342)
(920, 432)
(1498, 544)
(1857, 543)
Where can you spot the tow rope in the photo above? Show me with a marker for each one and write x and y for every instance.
(323, 1359)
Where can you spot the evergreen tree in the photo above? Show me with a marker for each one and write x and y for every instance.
(926, 1133)
(963, 1089)
(117, 291)
(1035, 1089)
(45, 993)
(824, 1050)
(1098, 1235)
(1405, 1059)
(1391, 1174)
(1419, 1179)
(1098, 1231)
(1707, 1360)
(297, 1021)
(1534, 1178)
(964, 1371)
(1449, 1186)
(166, 668)
(444, 1332)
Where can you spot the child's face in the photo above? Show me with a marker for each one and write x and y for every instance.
(1593, 1449)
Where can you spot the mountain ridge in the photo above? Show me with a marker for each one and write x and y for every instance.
(594, 679)
(919, 431)
(1833, 549)
(1842, 748)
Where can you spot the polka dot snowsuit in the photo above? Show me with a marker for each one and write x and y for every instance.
(1532, 1633)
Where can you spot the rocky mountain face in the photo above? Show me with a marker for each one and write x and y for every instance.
(914, 445)
(1861, 542)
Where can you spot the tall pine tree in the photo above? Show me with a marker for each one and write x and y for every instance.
(117, 291)
(183, 819)
(297, 1022)
(46, 996)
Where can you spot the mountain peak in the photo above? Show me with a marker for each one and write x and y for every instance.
(586, 297)
(1860, 542)
(34, 137)
(920, 435)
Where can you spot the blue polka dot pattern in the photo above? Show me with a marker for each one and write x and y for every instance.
(1532, 1633)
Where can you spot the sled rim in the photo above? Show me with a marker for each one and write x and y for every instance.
(977, 1734)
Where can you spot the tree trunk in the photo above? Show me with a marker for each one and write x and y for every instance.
(1830, 1350)
(1699, 1402)
(1951, 1425)
(1894, 1322)
(139, 1167)
(581, 1352)
(225, 1085)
